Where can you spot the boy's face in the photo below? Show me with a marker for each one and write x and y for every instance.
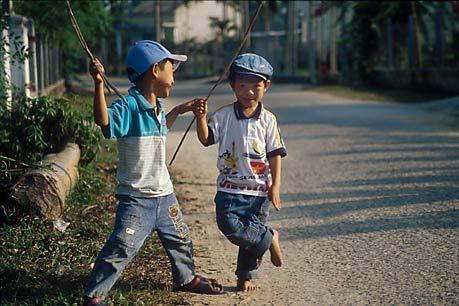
(249, 89)
(164, 73)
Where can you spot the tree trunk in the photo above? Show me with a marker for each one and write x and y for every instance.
(43, 191)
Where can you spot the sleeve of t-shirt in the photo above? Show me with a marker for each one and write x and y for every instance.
(274, 142)
(119, 116)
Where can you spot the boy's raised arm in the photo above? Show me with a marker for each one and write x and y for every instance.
(178, 110)
(100, 106)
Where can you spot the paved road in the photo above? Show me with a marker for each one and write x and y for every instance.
(370, 202)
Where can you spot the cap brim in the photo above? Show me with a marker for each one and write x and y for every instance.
(251, 73)
(178, 57)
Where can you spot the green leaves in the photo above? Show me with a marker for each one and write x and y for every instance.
(52, 24)
(52, 21)
(39, 126)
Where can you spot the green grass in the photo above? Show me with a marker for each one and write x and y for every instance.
(42, 266)
(381, 94)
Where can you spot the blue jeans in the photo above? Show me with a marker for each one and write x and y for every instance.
(242, 219)
(136, 218)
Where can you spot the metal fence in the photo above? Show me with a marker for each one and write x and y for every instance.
(49, 68)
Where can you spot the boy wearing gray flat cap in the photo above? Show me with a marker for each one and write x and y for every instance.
(249, 161)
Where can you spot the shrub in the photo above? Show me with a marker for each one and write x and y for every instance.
(35, 127)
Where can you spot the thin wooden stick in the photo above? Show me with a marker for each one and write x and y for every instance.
(222, 75)
(76, 28)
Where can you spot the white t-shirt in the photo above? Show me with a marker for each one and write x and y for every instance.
(245, 145)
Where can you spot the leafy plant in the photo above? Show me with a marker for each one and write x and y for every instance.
(38, 126)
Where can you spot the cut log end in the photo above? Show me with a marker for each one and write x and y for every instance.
(42, 192)
(35, 194)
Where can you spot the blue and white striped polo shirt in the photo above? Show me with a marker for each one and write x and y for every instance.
(141, 138)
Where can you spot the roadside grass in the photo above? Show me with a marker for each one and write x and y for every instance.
(381, 94)
(40, 265)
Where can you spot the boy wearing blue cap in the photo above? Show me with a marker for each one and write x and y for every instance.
(145, 193)
(249, 160)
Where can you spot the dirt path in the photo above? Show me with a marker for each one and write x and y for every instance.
(370, 213)
(215, 255)
(370, 206)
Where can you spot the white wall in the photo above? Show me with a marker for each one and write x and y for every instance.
(192, 20)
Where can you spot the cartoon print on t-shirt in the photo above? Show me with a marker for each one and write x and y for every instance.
(259, 153)
(230, 162)
(258, 167)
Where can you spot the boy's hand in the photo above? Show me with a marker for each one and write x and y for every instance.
(274, 196)
(188, 106)
(200, 109)
(95, 69)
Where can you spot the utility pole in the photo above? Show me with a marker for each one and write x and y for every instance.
(311, 44)
(289, 58)
(333, 50)
(417, 43)
(158, 20)
(294, 28)
(246, 9)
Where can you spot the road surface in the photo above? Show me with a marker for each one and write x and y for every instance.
(370, 202)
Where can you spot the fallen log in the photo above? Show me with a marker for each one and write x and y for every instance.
(43, 191)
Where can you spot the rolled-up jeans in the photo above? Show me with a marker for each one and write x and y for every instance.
(242, 219)
(136, 218)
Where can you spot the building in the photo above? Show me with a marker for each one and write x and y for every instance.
(176, 21)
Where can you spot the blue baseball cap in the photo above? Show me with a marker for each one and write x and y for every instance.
(253, 64)
(143, 54)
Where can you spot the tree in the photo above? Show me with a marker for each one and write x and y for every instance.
(52, 23)
(223, 28)
(366, 26)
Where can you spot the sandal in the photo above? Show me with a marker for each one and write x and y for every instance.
(96, 301)
(203, 285)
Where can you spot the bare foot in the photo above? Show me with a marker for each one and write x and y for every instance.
(246, 285)
(276, 254)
